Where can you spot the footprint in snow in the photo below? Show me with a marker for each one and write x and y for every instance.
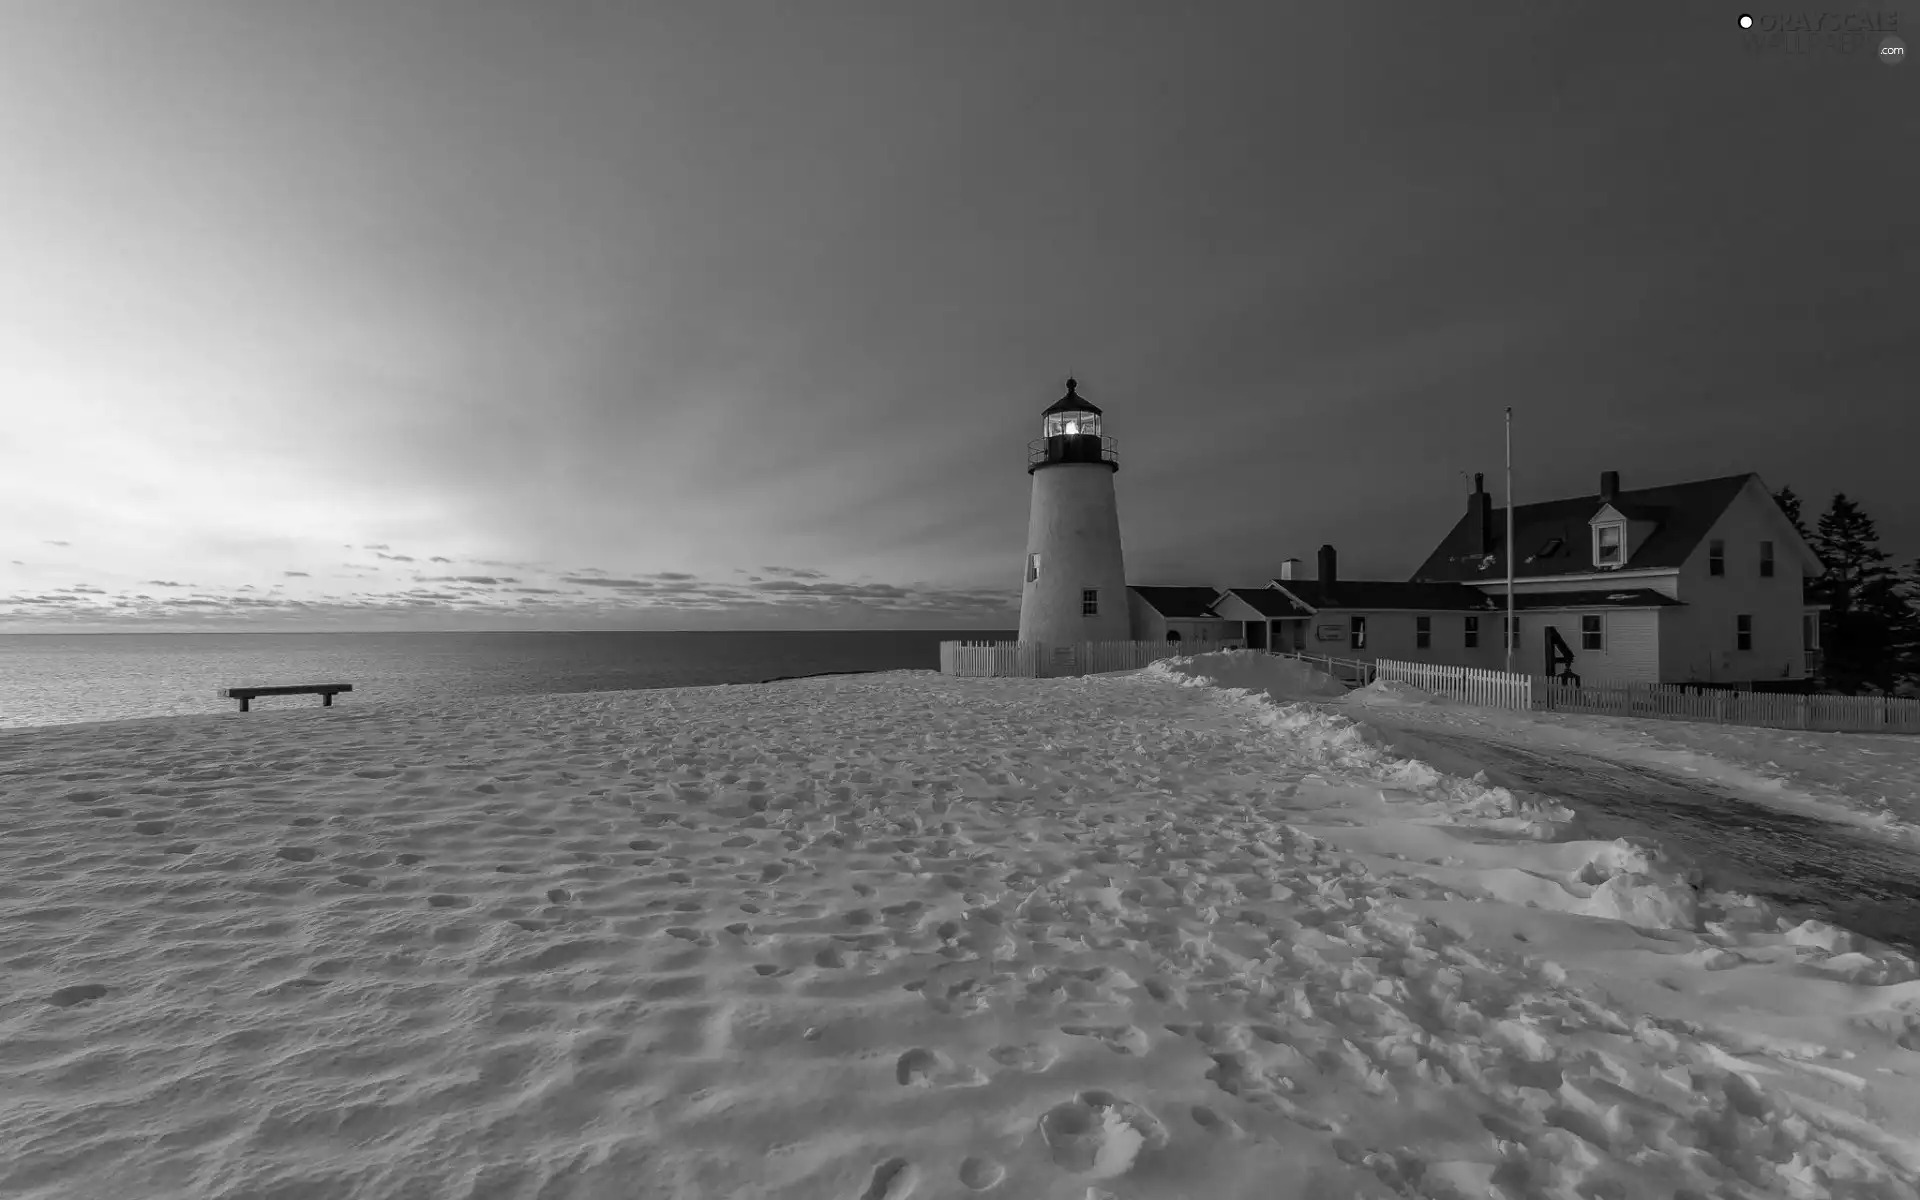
(1032, 1058)
(1099, 1135)
(921, 1067)
(981, 1174)
(893, 1179)
(1121, 1039)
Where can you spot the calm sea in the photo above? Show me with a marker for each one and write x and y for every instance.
(51, 679)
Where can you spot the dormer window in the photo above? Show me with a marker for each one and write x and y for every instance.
(1608, 548)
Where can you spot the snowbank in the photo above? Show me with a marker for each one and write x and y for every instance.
(1389, 692)
(1255, 671)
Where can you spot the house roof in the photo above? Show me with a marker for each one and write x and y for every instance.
(1634, 512)
(1685, 512)
(1601, 598)
(1071, 402)
(1271, 603)
(1179, 602)
(1384, 594)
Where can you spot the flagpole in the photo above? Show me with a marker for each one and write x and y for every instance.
(1512, 633)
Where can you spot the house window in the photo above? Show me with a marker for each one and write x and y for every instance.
(1550, 549)
(1033, 567)
(1716, 557)
(1590, 633)
(1423, 632)
(1810, 631)
(1744, 624)
(1356, 633)
(1090, 602)
(1473, 632)
(1766, 560)
(1606, 545)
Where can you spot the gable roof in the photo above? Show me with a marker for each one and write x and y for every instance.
(1371, 594)
(1685, 512)
(1179, 602)
(1269, 602)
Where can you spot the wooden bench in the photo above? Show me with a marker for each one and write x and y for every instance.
(326, 692)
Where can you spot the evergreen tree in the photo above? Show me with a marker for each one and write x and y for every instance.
(1790, 505)
(1908, 588)
(1872, 632)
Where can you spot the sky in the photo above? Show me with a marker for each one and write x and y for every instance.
(572, 315)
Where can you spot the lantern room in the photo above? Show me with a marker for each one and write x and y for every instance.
(1071, 415)
(1070, 432)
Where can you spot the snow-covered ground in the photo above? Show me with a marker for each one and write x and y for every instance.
(1871, 780)
(1184, 932)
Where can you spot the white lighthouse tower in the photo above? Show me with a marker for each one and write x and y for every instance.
(1075, 586)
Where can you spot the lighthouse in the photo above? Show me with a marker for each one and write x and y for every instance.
(1074, 588)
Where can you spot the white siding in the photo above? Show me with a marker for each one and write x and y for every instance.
(1205, 631)
(1146, 624)
(1699, 642)
(1630, 644)
(1633, 645)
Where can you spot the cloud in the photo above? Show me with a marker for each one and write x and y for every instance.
(395, 557)
(50, 542)
(794, 572)
(437, 558)
(610, 583)
(379, 546)
(589, 599)
(830, 589)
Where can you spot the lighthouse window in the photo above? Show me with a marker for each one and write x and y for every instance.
(1090, 602)
(1033, 567)
(1072, 424)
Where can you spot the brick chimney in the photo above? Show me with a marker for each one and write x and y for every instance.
(1289, 568)
(1327, 572)
(1609, 486)
(1479, 518)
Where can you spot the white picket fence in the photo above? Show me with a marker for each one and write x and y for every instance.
(1034, 660)
(1831, 714)
(1490, 689)
(991, 658)
(1674, 702)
